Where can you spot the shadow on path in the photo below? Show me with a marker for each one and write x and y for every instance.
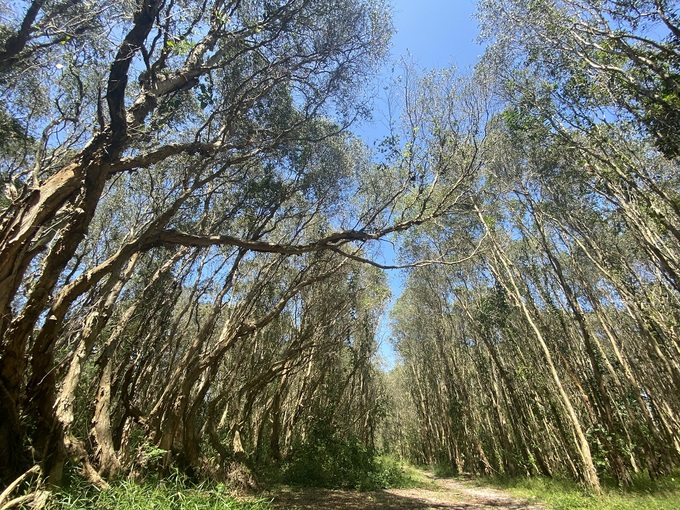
(450, 494)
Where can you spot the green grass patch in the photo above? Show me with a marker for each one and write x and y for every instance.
(163, 495)
(645, 494)
(418, 478)
(395, 474)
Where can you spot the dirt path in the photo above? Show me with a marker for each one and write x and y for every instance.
(446, 493)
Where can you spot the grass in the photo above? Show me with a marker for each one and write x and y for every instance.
(417, 478)
(645, 494)
(168, 494)
(177, 493)
(396, 474)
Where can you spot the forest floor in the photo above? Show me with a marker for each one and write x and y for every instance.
(439, 493)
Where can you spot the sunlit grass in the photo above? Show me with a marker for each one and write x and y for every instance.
(645, 494)
(128, 495)
(413, 477)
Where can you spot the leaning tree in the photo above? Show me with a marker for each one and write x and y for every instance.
(183, 165)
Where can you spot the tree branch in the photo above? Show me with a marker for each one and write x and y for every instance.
(17, 42)
(118, 76)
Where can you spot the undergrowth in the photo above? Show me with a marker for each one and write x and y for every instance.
(364, 471)
(644, 494)
(329, 460)
(355, 469)
(173, 493)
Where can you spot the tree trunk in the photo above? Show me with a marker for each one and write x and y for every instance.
(588, 472)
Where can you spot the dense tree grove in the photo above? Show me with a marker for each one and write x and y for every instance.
(183, 215)
(188, 235)
(554, 348)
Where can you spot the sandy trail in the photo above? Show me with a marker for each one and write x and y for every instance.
(447, 493)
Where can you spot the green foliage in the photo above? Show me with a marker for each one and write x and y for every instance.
(150, 458)
(174, 493)
(327, 459)
(644, 494)
(443, 469)
(417, 478)
(391, 473)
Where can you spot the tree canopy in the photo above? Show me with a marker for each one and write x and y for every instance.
(189, 227)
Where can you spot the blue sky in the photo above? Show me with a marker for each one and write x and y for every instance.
(438, 33)
(433, 34)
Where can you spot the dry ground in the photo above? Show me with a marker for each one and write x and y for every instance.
(446, 493)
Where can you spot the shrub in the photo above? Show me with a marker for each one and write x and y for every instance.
(325, 459)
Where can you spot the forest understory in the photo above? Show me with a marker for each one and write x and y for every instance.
(195, 248)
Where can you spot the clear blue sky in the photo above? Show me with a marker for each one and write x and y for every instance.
(433, 34)
(438, 33)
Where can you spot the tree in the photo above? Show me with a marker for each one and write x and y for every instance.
(192, 158)
(516, 354)
(195, 99)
